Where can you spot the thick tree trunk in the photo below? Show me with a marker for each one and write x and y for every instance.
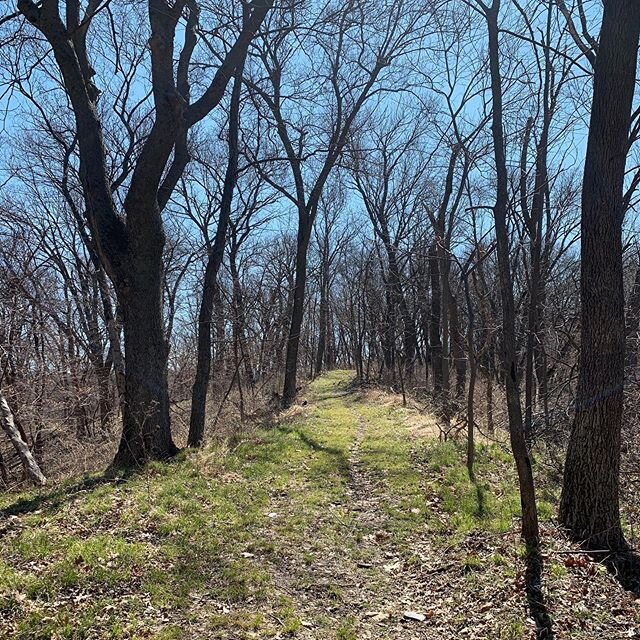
(589, 505)
(146, 429)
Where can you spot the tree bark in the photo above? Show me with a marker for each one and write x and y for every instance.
(28, 461)
(530, 530)
(589, 505)
(146, 428)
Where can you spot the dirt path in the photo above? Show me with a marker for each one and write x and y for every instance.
(419, 552)
(375, 572)
(361, 490)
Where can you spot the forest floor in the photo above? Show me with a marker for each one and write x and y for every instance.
(348, 520)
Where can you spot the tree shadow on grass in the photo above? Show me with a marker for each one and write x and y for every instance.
(52, 499)
(535, 597)
(341, 459)
(534, 569)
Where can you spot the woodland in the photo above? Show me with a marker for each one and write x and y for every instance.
(319, 319)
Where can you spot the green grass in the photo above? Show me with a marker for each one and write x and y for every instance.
(176, 532)
(263, 540)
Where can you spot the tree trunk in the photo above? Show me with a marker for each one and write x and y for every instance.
(589, 505)
(115, 350)
(530, 531)
(471, 445)
(203, 366)
(203, 355)
(435, 343)
(389, 334)
(297, 312)
(410, 339)
(457, 350)
(240, 318)
(536, 282)
(323, 319)
(146, 430)
(28, 461)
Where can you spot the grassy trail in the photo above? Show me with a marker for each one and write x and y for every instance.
(347, 521)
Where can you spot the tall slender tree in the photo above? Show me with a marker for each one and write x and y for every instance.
(530, 528)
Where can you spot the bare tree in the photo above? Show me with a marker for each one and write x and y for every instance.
(530, 529)
(589, 505)
(346, 70)
(131, 247)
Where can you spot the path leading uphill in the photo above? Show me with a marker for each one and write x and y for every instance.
(348, 520)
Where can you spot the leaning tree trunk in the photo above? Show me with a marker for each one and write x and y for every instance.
(9, 427)
(589, 505)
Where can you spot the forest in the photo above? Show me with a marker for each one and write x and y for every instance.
(319, 319)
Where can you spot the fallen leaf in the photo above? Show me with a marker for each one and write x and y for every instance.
(414, 616)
